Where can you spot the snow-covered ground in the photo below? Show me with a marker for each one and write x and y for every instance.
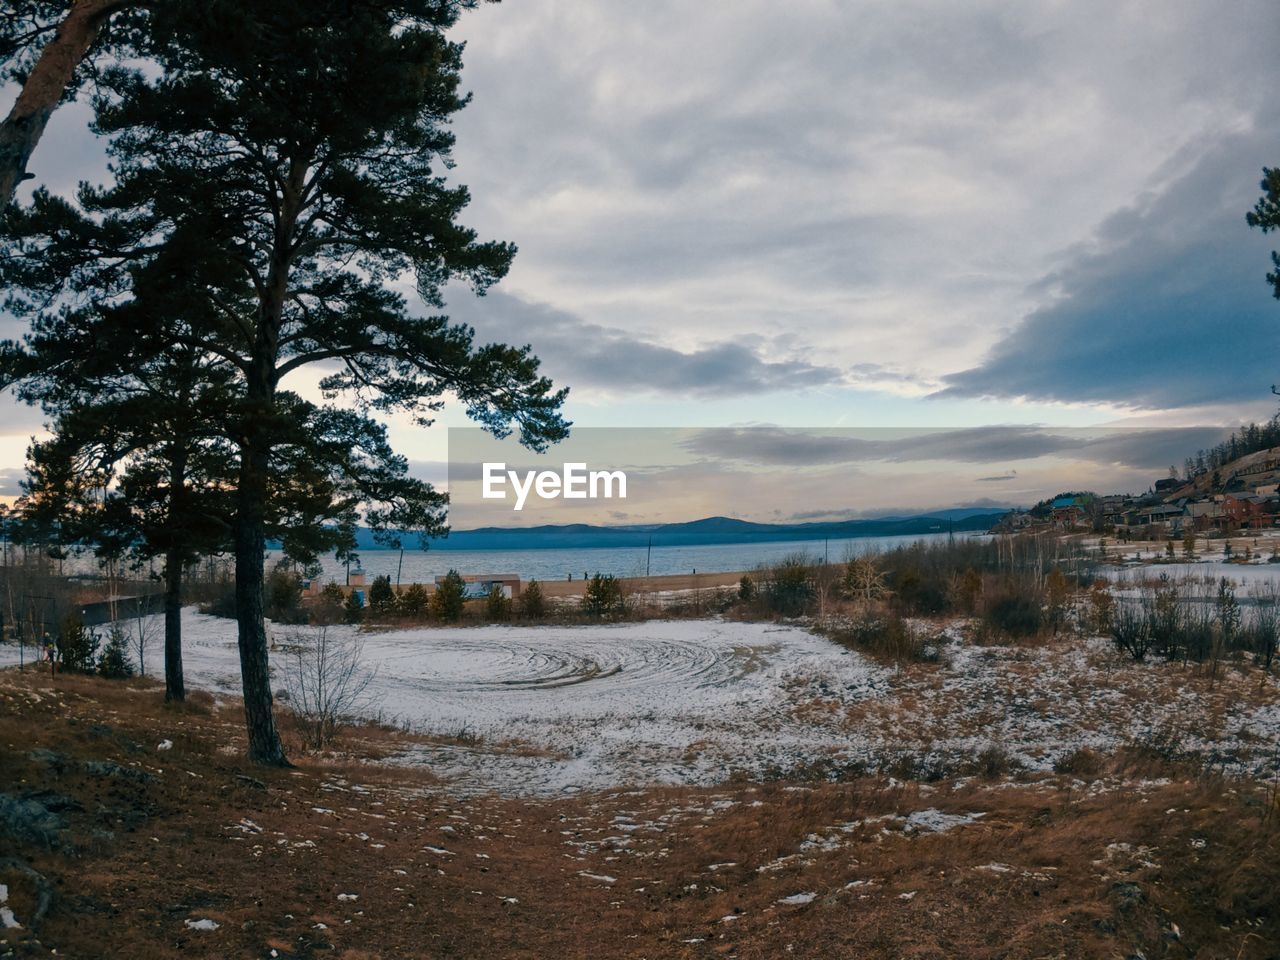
(538, 710)
(547, 709)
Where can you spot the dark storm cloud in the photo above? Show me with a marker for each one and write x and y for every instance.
(1166, 308)
(578, 352)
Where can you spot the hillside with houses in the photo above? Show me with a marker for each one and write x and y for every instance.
(1239, 495)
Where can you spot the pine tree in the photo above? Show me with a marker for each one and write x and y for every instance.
(496, 605)
(603, 596)
(450, 597)
(114, 664)
(532, 605)
(43, 46)
(1265, 216)
(266, 192)
(382, 599)
(414, 602)
(353, 608)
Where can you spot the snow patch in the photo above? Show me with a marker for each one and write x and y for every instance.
(797, 899)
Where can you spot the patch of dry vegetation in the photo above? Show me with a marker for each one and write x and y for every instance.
(342, 857)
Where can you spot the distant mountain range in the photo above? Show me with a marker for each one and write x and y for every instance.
(705, 532)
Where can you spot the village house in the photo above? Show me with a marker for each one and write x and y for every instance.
(1069, 512)
(1244, 511)
(1166, 518)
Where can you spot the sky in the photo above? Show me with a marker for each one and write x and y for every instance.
(845, 215)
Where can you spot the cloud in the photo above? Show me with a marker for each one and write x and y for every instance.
(10, 482)
(585, 354)
(1166, 307)
(1149, 449)
(1036, 201)
(886, 183)
(19, 419)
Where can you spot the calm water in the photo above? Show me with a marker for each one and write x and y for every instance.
(423, 567)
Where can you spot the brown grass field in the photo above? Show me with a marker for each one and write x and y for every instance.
(1127, 856)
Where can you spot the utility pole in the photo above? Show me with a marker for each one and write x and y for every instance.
(648, 557)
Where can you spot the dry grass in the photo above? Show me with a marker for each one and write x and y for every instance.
(1107, 859)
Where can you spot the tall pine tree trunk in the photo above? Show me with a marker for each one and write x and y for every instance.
(174, 686)
(250, 543)
(45, 87)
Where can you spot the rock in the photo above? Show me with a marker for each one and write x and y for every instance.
(1127, 895)
(33, 818)
(107, 768)
(55, 760)
(10, 866)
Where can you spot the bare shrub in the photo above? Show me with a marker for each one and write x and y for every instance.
(1165, 614)
(885, 636)
(1130, 631)
(864, 581)
(1263, 628)
(994, 762)
(1081, 762)
(1057, 592)
(325, 680)
(965, 591)
(1014, 609)
(143, 629)
(1101, 609)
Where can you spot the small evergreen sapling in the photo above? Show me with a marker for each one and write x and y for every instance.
(450, 597)
(114, 664)
(532, 604)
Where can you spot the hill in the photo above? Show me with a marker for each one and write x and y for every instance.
(704, 532)
(1243, 473)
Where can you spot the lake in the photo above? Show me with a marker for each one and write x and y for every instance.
(556, 564)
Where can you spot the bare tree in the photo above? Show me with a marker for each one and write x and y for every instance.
(864, 581)
(143, 628)
(1264, 625)
(325, 679)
